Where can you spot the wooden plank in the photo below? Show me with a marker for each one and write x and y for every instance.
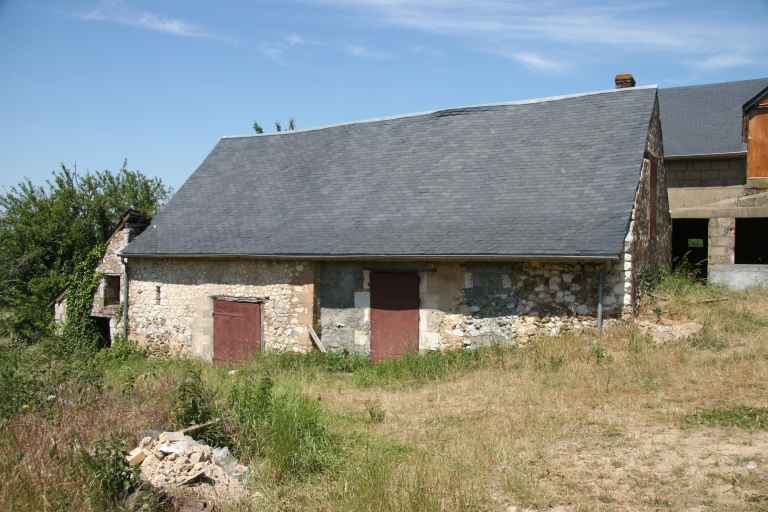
(316, 339)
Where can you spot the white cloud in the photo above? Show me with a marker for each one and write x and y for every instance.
(530, 29)
(294, 39)
(363, 52)
(426, 51)
(276, 51)
(118, 11)
(716, 62)
(538, 62)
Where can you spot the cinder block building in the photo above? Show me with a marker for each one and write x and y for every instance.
(716, 154)
(432, 231)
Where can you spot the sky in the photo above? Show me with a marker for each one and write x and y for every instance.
(90, 83)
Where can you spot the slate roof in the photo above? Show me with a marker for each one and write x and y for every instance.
(553, 177)
(705, 119)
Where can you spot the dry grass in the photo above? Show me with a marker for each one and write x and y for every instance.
(574, 421)
(593, 424)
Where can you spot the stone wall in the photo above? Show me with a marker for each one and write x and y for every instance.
(699, 172)
(111, 264)
(645, 254)
(171, 301)
(470, 304)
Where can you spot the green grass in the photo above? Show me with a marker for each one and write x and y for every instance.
(748, 418)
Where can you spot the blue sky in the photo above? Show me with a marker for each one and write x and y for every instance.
(93, 82)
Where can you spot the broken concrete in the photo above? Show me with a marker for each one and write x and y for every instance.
(181, 466)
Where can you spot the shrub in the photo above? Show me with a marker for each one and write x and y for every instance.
(109, 478)
(122, 351)
(17, 388)
(191, 401)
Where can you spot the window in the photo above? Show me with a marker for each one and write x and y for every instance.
(752, 241)
(111, 290)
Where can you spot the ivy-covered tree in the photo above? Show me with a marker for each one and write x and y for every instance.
(46, 230)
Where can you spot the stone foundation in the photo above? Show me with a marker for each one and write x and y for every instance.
(472, 304)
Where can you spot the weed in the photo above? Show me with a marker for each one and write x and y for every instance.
(376, 412)
(193, 404)
(191, 401)
(299, 441)
(109, 477)
(421, 368)
(708, 339)
(601, 355)
(748, 418)
(250, 405)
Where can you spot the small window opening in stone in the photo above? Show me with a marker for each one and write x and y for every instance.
(111, 290)
(157, 295)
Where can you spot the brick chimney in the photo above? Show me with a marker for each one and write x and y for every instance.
(624, 80)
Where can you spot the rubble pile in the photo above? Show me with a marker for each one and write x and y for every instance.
(177, 464)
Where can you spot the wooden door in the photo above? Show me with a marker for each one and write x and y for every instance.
(236, 330)
(757, 147)
(394, 314)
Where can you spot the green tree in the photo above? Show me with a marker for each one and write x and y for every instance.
(45, 231)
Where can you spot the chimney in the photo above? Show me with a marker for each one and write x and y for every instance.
(624, 80)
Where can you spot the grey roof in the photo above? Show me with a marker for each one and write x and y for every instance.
(555, 177)
(705, 119)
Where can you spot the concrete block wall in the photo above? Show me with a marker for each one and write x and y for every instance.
(720, 172)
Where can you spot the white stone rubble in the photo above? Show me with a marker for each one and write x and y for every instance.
(179, 465)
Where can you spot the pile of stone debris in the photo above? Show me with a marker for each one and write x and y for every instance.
(181, 466)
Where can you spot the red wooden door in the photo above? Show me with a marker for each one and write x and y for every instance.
(236, 330)
(394, 314)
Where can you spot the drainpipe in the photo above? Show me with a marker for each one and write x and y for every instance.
(600, 279)
(125, 297)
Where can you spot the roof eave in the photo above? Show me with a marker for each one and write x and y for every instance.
(412, 257)
(729, 154)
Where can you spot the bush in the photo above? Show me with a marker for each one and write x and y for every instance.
(18, 389)
(109, 477)
(191, 401)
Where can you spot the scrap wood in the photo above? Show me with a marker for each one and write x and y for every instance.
(192, 428)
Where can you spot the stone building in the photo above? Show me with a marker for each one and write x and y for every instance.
(107, 308)
(716, 153)
(431, 231)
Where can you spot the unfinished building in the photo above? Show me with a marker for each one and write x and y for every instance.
(716, 152)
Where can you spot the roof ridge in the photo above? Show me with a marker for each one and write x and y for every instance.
(531, 101)
(727, 82)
